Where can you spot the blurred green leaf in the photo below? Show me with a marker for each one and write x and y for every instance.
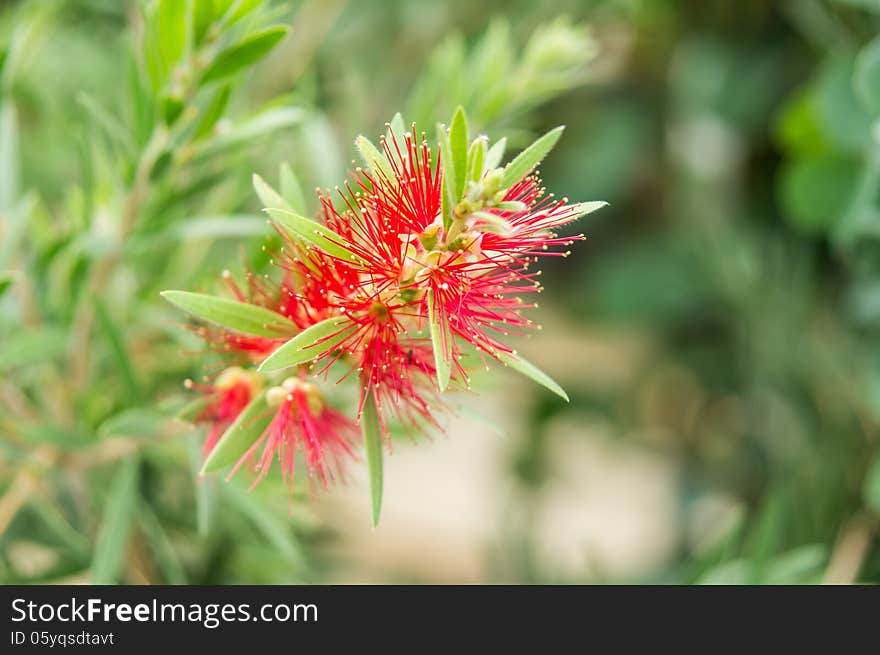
(244, 53)
(136, 422)
(33, 346)
(238, 316)
(816, 191)
(276, 531)
(201, 19)
(9, 156)
(871, 488)
(867, 76)
(6, 280)
(120, 353)
(165, 555)
(171, 30)
(213, 113)
(373, 449)
(116, 522)
(291, 190)
(841, 113)
(269, 196)
(239, 436)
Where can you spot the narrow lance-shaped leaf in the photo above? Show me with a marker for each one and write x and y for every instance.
(397, 129)
(239, 436)
(310, 343)
(373, 449)
(441, 340)
(584, 208)
(291, 189)
(238, 316)
(115, 527)
(447, 166)
(244, 53)
(319, 236)
(495, 154)
(476, 155)
(374, 158)
(269, 196)
(458, 143)
(530, 157)
(528, 369)
(213, 113)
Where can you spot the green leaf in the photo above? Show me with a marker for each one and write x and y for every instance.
(269, 196)
(374, 158)
(447, 165)
(291, 190)
(239, 316)
(373, 449)
(239, 436)
(119, 351)
(319, 236)
(816, 191)
(397, 128)
(9, 156)
(458, 143)
(248, 132)
(584, 208)
(841, 114)
(244, 53)
(495, 154)
(202, 17)
(171, 31)
(867, 76)
(193, 409)
(275, 529)
(31, 347)
(163, 550)
(476, 156)
(528, 369)
(213, 113)
(240, 9)
(6, 280)
(525, 161)
(218, 227)
(203, 490)
(310, 343)
(871, 487)
(441, 340)
(119, 510)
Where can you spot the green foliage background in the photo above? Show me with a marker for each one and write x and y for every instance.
(734, 279)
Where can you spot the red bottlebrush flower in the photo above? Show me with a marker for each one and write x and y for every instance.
(230, 393)
(303, 422)
(475, 268)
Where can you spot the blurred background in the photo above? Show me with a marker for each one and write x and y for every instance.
(717, 332)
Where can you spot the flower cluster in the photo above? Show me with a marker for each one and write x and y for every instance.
(423, 258)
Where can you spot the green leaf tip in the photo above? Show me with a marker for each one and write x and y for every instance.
(525, 161)
(528, 369)
(373, 448)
